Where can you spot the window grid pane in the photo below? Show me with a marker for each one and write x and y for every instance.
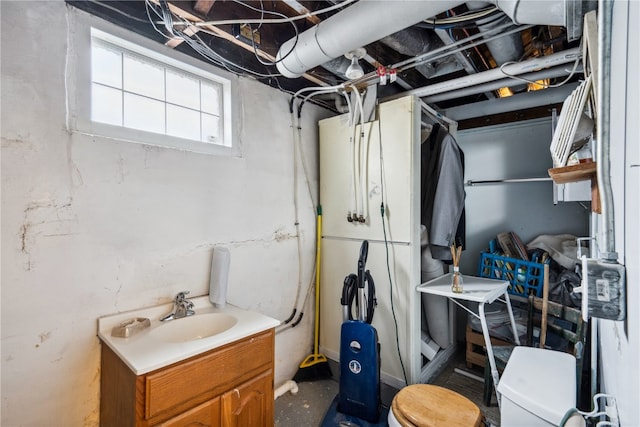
(106, 104)
(144, 113)
(106, 66)
(210, 98)
(152, 96)
(183, 90)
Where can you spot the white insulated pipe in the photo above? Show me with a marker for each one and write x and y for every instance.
(536, 12)
(288, 385)
(530, 65)
(549, 73)
(494, 85)
(367, 21)
(356, 26)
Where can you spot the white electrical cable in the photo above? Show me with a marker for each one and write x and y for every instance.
(194, 41)
(467, 16)
(274, 21)
(447, 48)
(314, 88)
(545, 86)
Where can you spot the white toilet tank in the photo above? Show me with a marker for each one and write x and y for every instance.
(538, 387)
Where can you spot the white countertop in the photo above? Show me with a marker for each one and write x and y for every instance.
(144, 353)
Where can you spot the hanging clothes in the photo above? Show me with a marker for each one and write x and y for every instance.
(442, 186)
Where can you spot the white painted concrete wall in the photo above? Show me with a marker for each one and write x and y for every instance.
(620, 341)
(92, 226)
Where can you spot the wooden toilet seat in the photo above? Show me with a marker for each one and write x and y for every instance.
(426, 405)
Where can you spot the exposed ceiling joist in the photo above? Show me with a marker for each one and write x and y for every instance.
(203, 6)
(301, 10)
(229, 37)
(418, 53)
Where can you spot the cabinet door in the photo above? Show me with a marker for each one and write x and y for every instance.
(250, 404)
(204, 415)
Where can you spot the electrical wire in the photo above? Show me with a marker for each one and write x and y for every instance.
(545, 86)
(460, 45)
(253, 42)
(273, 21)
(470, 15)
(445, 51)
(466, 24)
(163, 12)
(386, 247)
(115, 9)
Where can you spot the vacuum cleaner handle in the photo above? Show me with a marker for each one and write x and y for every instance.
(362, 261)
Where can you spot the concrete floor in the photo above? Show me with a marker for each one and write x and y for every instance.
(308, 407)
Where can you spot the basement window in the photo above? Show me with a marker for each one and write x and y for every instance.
(160, 99)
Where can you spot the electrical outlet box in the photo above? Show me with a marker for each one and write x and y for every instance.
(603, 289)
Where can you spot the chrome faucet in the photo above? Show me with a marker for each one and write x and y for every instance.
(182, 308)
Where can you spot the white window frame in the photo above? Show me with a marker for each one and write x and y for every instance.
(81, 30)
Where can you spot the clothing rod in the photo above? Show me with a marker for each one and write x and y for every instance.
(471, 183)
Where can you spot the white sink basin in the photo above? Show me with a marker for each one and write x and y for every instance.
(164, 343)
(194, 327)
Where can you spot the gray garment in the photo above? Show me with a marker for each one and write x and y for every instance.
(443, 191)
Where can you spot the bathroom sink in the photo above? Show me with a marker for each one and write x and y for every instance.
(164, 343)
(194, 327)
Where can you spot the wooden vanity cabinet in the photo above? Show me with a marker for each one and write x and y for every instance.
(229, 386)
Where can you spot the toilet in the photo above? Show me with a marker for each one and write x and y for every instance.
(538, 387)
(426, 405)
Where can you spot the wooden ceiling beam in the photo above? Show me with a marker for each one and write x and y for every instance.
(299, 9)
(173, 43)
(229, 37)
(203, 6)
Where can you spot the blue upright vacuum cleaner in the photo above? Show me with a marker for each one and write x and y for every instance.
(358, 401)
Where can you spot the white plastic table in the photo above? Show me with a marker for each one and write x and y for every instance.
(482, 291)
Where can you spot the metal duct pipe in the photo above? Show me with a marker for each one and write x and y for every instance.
(358, 25)
(503, 49)
(413, 42)
(538, 12)
(367, 21)
(569, 55)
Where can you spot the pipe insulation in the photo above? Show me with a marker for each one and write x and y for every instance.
(356, 26)
(367, 21)
(537, 12)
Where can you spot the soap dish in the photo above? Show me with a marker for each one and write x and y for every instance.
(130, 327)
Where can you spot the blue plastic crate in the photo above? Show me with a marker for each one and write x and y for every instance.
(525, 277)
